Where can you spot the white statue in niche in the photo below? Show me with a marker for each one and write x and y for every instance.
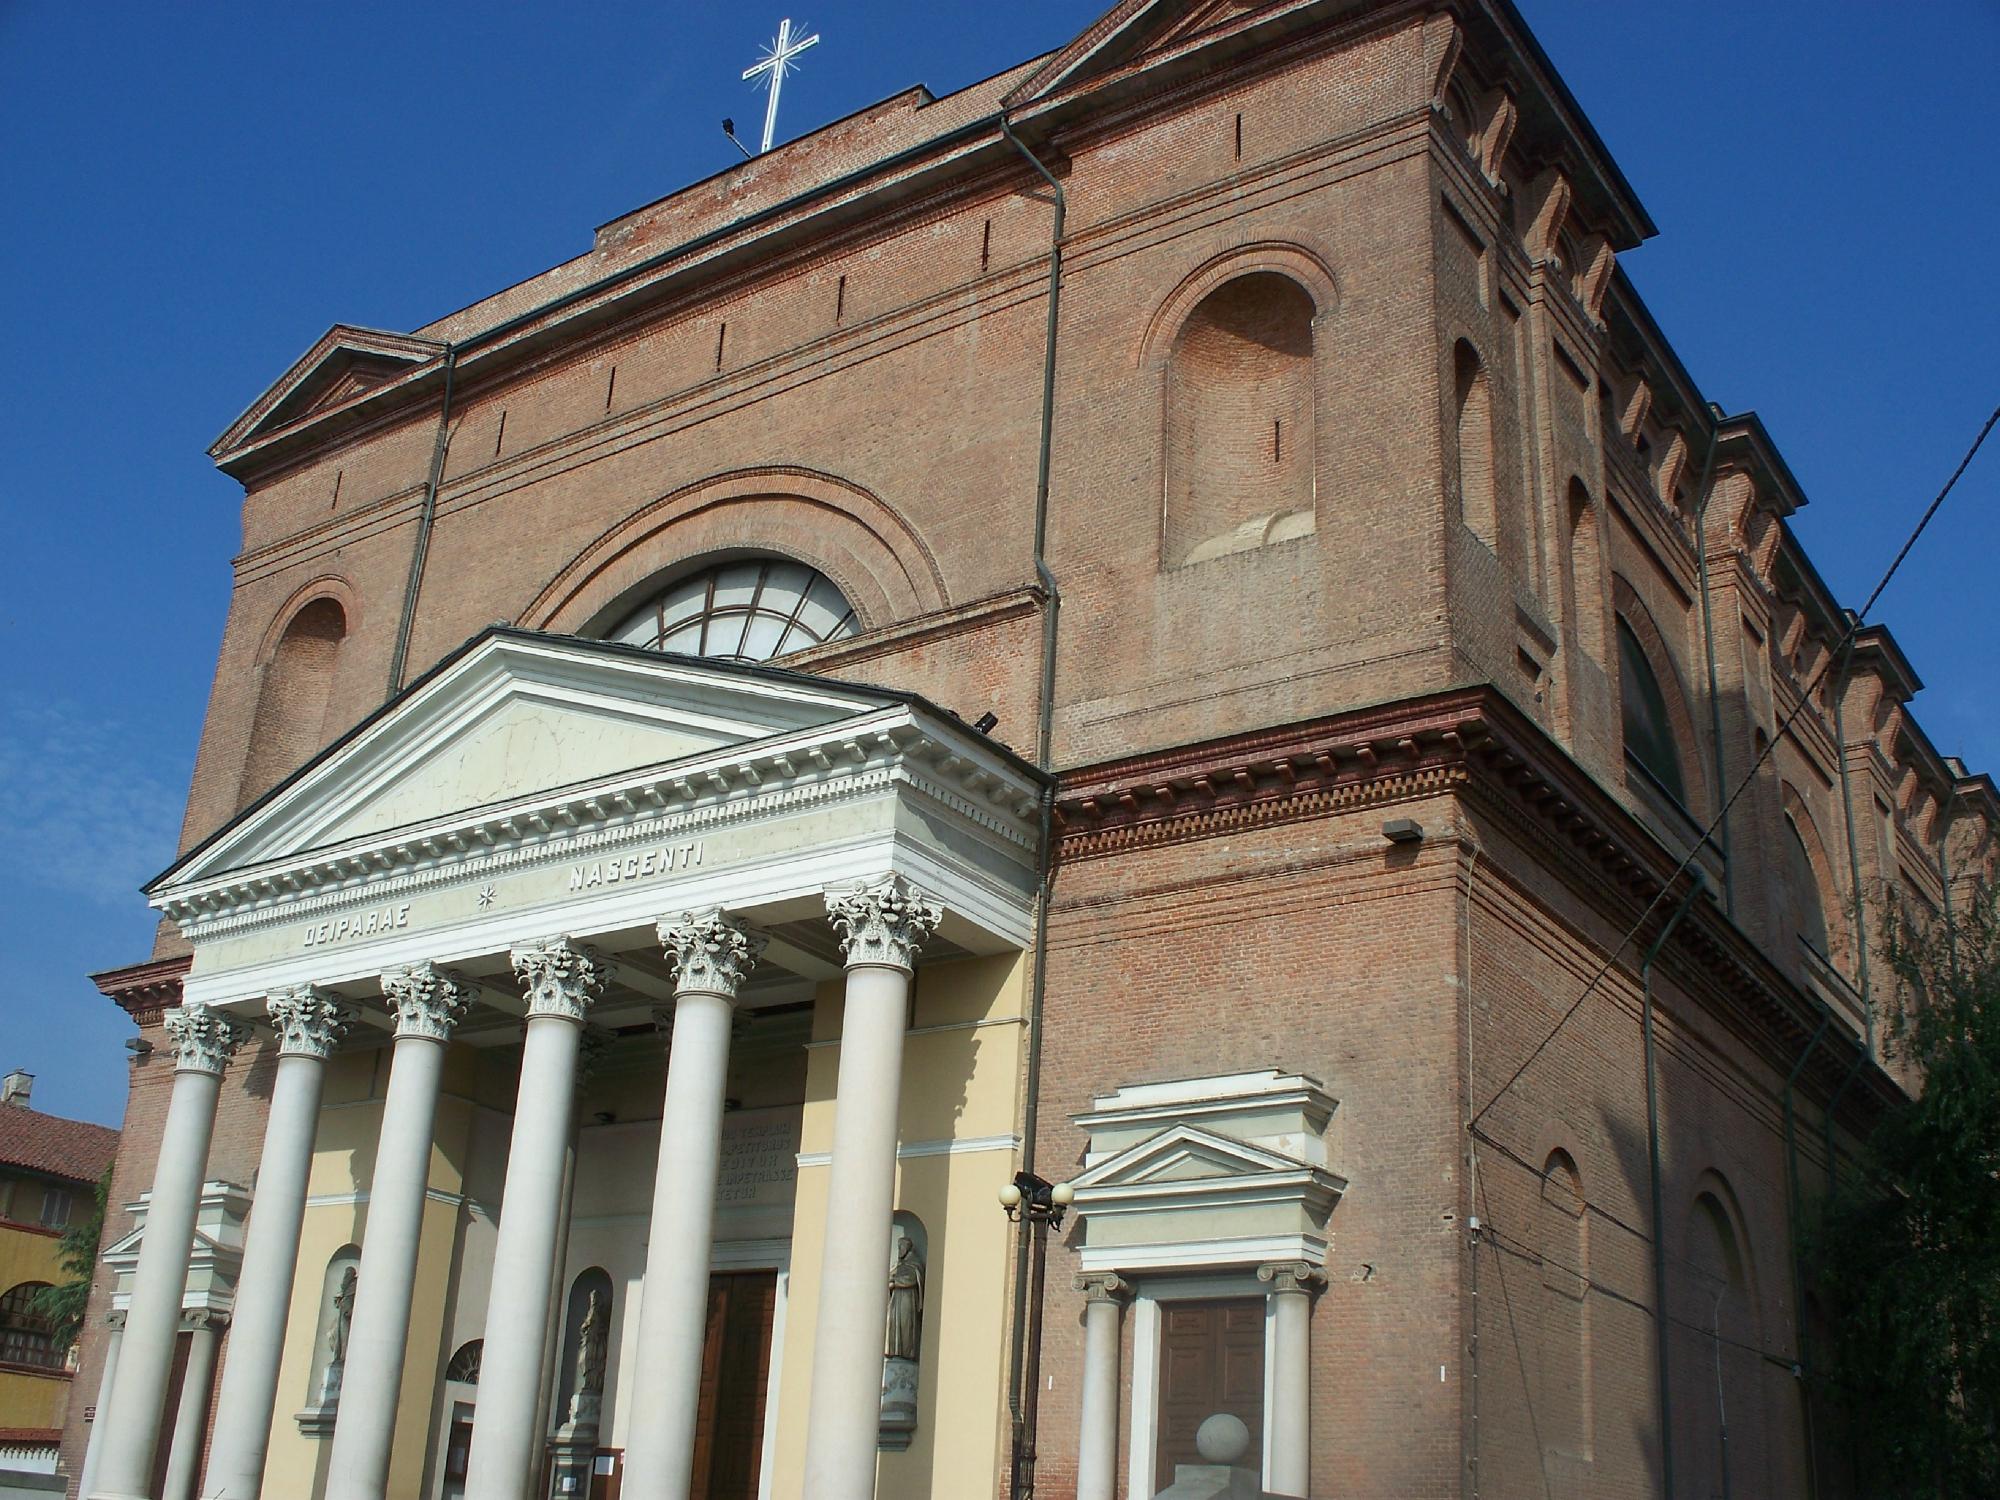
(902, 1346)
(592, 1347)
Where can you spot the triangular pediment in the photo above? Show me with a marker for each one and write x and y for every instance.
(1131, 33)
(512, 717)
(1185, 1153)
(343, 366)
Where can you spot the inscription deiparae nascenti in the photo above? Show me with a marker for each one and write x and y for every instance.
(361, 924)
(639, 866)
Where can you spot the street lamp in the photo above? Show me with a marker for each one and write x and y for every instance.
(1040, 1204)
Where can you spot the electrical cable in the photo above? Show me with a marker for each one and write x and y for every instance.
(1805, 698)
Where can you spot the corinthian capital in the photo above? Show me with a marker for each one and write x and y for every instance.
(563, 977)
(310, 1021)
(429, 1002)
(712, 951)
(1294, 1276)
(882, 921)
(203, 1039)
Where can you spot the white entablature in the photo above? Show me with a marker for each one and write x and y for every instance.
(539, 783)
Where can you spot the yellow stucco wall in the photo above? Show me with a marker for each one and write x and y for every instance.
(343, 1162)
(28, 1399)
(961, 1083)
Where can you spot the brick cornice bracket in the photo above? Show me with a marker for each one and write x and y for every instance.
(146, 991)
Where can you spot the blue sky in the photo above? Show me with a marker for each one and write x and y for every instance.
(194, 192)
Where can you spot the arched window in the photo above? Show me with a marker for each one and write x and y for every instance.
(463, 1366)
(1721, 1316)
(26, 1336)
(1240, 438)
(290, 722)
(1803, 890)
(1564, 1318)
(751, 609)
(1649, 735)
(1473, 404)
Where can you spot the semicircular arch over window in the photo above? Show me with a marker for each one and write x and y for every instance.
(1649, 734)
(747, 609)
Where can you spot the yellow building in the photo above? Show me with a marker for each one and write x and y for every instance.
(48, 1170)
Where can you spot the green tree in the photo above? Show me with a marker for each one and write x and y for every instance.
(63, 1304)
(1907, 1252)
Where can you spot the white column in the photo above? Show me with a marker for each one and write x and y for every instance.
(1294, 1284)
(203, 1041)
(712, 953)
(1097, 1452)
(95, 1445)
(429, 1002)
(191, 1418)
(882, 923)
(563, 980)
(310, 1023)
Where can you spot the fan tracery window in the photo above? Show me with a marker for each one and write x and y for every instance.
(752, 609)
(464, 1365)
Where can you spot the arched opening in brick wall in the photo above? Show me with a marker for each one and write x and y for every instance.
(1586, 565)
(1650, 723)
(745, 609)
(1563, 1415)
(290, 723)
(1240, 435)
(1721, 1364)
(1473, 445)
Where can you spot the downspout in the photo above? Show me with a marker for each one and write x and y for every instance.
(1022, 1481)
(425, 520)
(1714, 693)
(1800, 1332)
(1659, 1204)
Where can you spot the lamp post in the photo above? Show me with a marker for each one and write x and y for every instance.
(1041, 1204)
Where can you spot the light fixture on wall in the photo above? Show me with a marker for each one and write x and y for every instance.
(1403, 831)
(1041, 1205)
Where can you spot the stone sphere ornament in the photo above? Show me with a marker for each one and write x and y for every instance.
(1222, 1439)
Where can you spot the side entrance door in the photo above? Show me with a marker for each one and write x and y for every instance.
(1211, 1360)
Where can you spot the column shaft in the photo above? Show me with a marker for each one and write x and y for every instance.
(152, 1322)
(666, 1383)
(1291, 1385)
(191, 1420)
(249, 1391)
(95, 1446)
(378, 1339)
(845, 1419)
(508, 1435)
(1097, 1452)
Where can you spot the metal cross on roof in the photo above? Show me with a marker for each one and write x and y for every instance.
(777, 62)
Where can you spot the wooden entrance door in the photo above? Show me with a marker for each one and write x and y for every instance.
(735, 1368)
(1211, 1360)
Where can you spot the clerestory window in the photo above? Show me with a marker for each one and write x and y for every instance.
(751, 609)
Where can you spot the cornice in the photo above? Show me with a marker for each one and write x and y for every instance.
(146, 991)
(1473, 742)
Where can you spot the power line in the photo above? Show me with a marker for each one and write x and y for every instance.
(1805, 697)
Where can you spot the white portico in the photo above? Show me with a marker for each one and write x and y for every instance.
(569, 848)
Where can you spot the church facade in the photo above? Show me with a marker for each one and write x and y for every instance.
(975, 795)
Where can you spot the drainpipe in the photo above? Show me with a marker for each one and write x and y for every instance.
(425, 520)
(1027, 1362)
(1708, 643)
(1800, 1333)
(1659, 1205)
